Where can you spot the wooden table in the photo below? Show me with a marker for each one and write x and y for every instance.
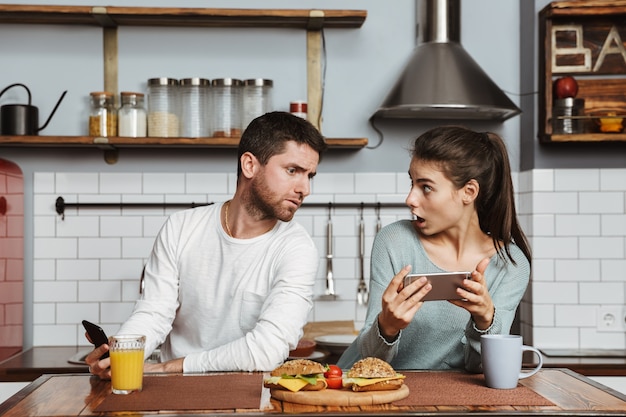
(571, 393)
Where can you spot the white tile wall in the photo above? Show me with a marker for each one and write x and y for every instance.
(88, 265)
(578, 236)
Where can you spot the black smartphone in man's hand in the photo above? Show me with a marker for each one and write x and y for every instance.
(97, 335)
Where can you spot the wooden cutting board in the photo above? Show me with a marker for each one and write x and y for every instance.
(343, 397)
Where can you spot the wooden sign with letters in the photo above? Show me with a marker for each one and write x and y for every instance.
(589, 46)
(583, 39)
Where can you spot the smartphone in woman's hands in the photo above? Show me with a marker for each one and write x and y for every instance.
(444, 284)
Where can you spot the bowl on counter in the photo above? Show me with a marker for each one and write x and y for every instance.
(305, 348)
(336, 344)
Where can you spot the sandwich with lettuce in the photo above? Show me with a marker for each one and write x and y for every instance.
(297, 375)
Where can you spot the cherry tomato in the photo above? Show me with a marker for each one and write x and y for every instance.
(334, 382)
(332, 371)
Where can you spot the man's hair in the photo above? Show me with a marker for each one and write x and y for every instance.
(268, 134)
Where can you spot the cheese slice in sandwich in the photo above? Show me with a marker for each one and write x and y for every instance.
(297, 375)
(373, 374)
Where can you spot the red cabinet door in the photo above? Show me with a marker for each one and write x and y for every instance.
(11, 258)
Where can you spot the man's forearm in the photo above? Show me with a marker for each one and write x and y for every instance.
(173, 366)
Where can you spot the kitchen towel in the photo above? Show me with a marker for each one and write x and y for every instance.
(190, 392)
(463, 389)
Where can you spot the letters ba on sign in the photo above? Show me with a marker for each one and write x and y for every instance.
(589, 47)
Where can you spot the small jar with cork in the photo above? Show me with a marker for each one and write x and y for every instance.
(103, 116)
(132, 120)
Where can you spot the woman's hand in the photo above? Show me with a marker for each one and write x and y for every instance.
(100, 368)
(399, 303)
(476, 298)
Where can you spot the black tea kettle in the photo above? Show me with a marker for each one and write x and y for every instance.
(22, 119)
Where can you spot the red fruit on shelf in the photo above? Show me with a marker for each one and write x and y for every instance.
(565, 87)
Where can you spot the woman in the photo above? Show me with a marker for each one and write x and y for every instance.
(464, 219)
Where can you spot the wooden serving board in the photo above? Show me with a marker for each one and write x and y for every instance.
(342, 397)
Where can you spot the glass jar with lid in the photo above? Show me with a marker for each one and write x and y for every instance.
(163, 107)
(194, 107)
(132, 120)
(226, 107)
(257, 99)
(102, 117)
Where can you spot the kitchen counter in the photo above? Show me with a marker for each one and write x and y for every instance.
(32, 363)
(589, 362)
(550, 392)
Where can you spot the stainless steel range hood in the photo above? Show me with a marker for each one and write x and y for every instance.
(441, 80)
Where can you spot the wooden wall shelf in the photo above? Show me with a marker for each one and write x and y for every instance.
(153, 142)
(109, 18)
(580, 39)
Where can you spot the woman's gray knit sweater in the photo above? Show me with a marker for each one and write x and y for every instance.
(441, 335)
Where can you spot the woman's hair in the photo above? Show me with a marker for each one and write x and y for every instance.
(268, 134)
(464, 155)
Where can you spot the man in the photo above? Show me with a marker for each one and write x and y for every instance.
(229, 286)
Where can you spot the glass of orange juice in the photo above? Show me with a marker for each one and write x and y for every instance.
(127, 357)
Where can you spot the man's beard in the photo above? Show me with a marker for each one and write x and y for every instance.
(260, 203)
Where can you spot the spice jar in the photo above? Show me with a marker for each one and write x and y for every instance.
(103, 117)
(257, 99)
(194, 107)
(132, 121)
(227, 107)
(163, 107)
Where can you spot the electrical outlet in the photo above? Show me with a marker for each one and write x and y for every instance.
(611, 319)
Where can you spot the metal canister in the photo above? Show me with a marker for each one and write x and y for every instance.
(226, 107)
(257, 99)
(194, 107)
(566, 114)
(103, 116)
(163, 108)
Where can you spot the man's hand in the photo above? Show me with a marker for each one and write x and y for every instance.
(101, 368)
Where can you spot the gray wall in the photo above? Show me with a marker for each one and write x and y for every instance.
(362, 65)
